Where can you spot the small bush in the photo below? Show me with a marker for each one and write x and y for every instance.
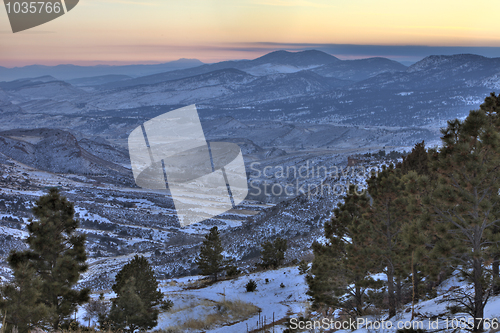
(232, 271)
(170, 330)
(251, 286)
(167, 305)
(303, 267)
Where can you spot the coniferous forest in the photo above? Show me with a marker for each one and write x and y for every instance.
(435, 213)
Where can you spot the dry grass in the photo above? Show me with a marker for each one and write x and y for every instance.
(171, 329)
(171, 283)
(238, 309)
(198, 284)
(227, 312)
(192, 304)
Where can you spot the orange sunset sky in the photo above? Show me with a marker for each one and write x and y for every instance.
(153, 31)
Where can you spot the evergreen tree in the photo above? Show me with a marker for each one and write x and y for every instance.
(416, 161)
(381, 227)
(340, 266)
(491, 107)
(324, 276)
(57, 255)
(465, 204)
(418, 231)
(210, 260)
(128, 312)
(138, 297)
(273, 253)
(19, 301)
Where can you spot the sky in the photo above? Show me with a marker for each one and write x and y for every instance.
(155, 31)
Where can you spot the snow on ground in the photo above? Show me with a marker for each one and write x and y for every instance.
(291, 302)
(432, 314)
(14, 232)
(21, 192)
(198, 303)
(11, 231)
(269, 297)
(83, 213)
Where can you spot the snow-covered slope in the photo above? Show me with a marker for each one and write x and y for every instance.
(281, 294)
(269, 297)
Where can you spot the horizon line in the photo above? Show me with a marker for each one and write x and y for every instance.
(405, 54)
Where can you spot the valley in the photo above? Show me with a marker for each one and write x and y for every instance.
(302, 111)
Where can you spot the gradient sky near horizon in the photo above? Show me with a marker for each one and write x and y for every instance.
(153, 31)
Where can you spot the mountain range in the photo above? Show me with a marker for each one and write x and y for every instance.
(68, 72)
(280, 62)
(308, 86)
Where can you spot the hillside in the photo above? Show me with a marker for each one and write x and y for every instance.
(197, 306)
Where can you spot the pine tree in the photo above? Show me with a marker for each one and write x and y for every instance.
(418, 231)
(19, 301)
(210, 260)
(465, 203)
(57, 254)
(129, 312)
(138, 297)
(340, 267)
(416, 161)
(491, 106)
(324, 276)
(381, 227)
(273, 253)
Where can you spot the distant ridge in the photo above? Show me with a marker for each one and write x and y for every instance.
(69, 72)
(302, 58)
(272, 63)
(433, 61)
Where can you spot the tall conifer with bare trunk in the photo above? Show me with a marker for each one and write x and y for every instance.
(383, 224)
(465, 204)
(340, 266)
